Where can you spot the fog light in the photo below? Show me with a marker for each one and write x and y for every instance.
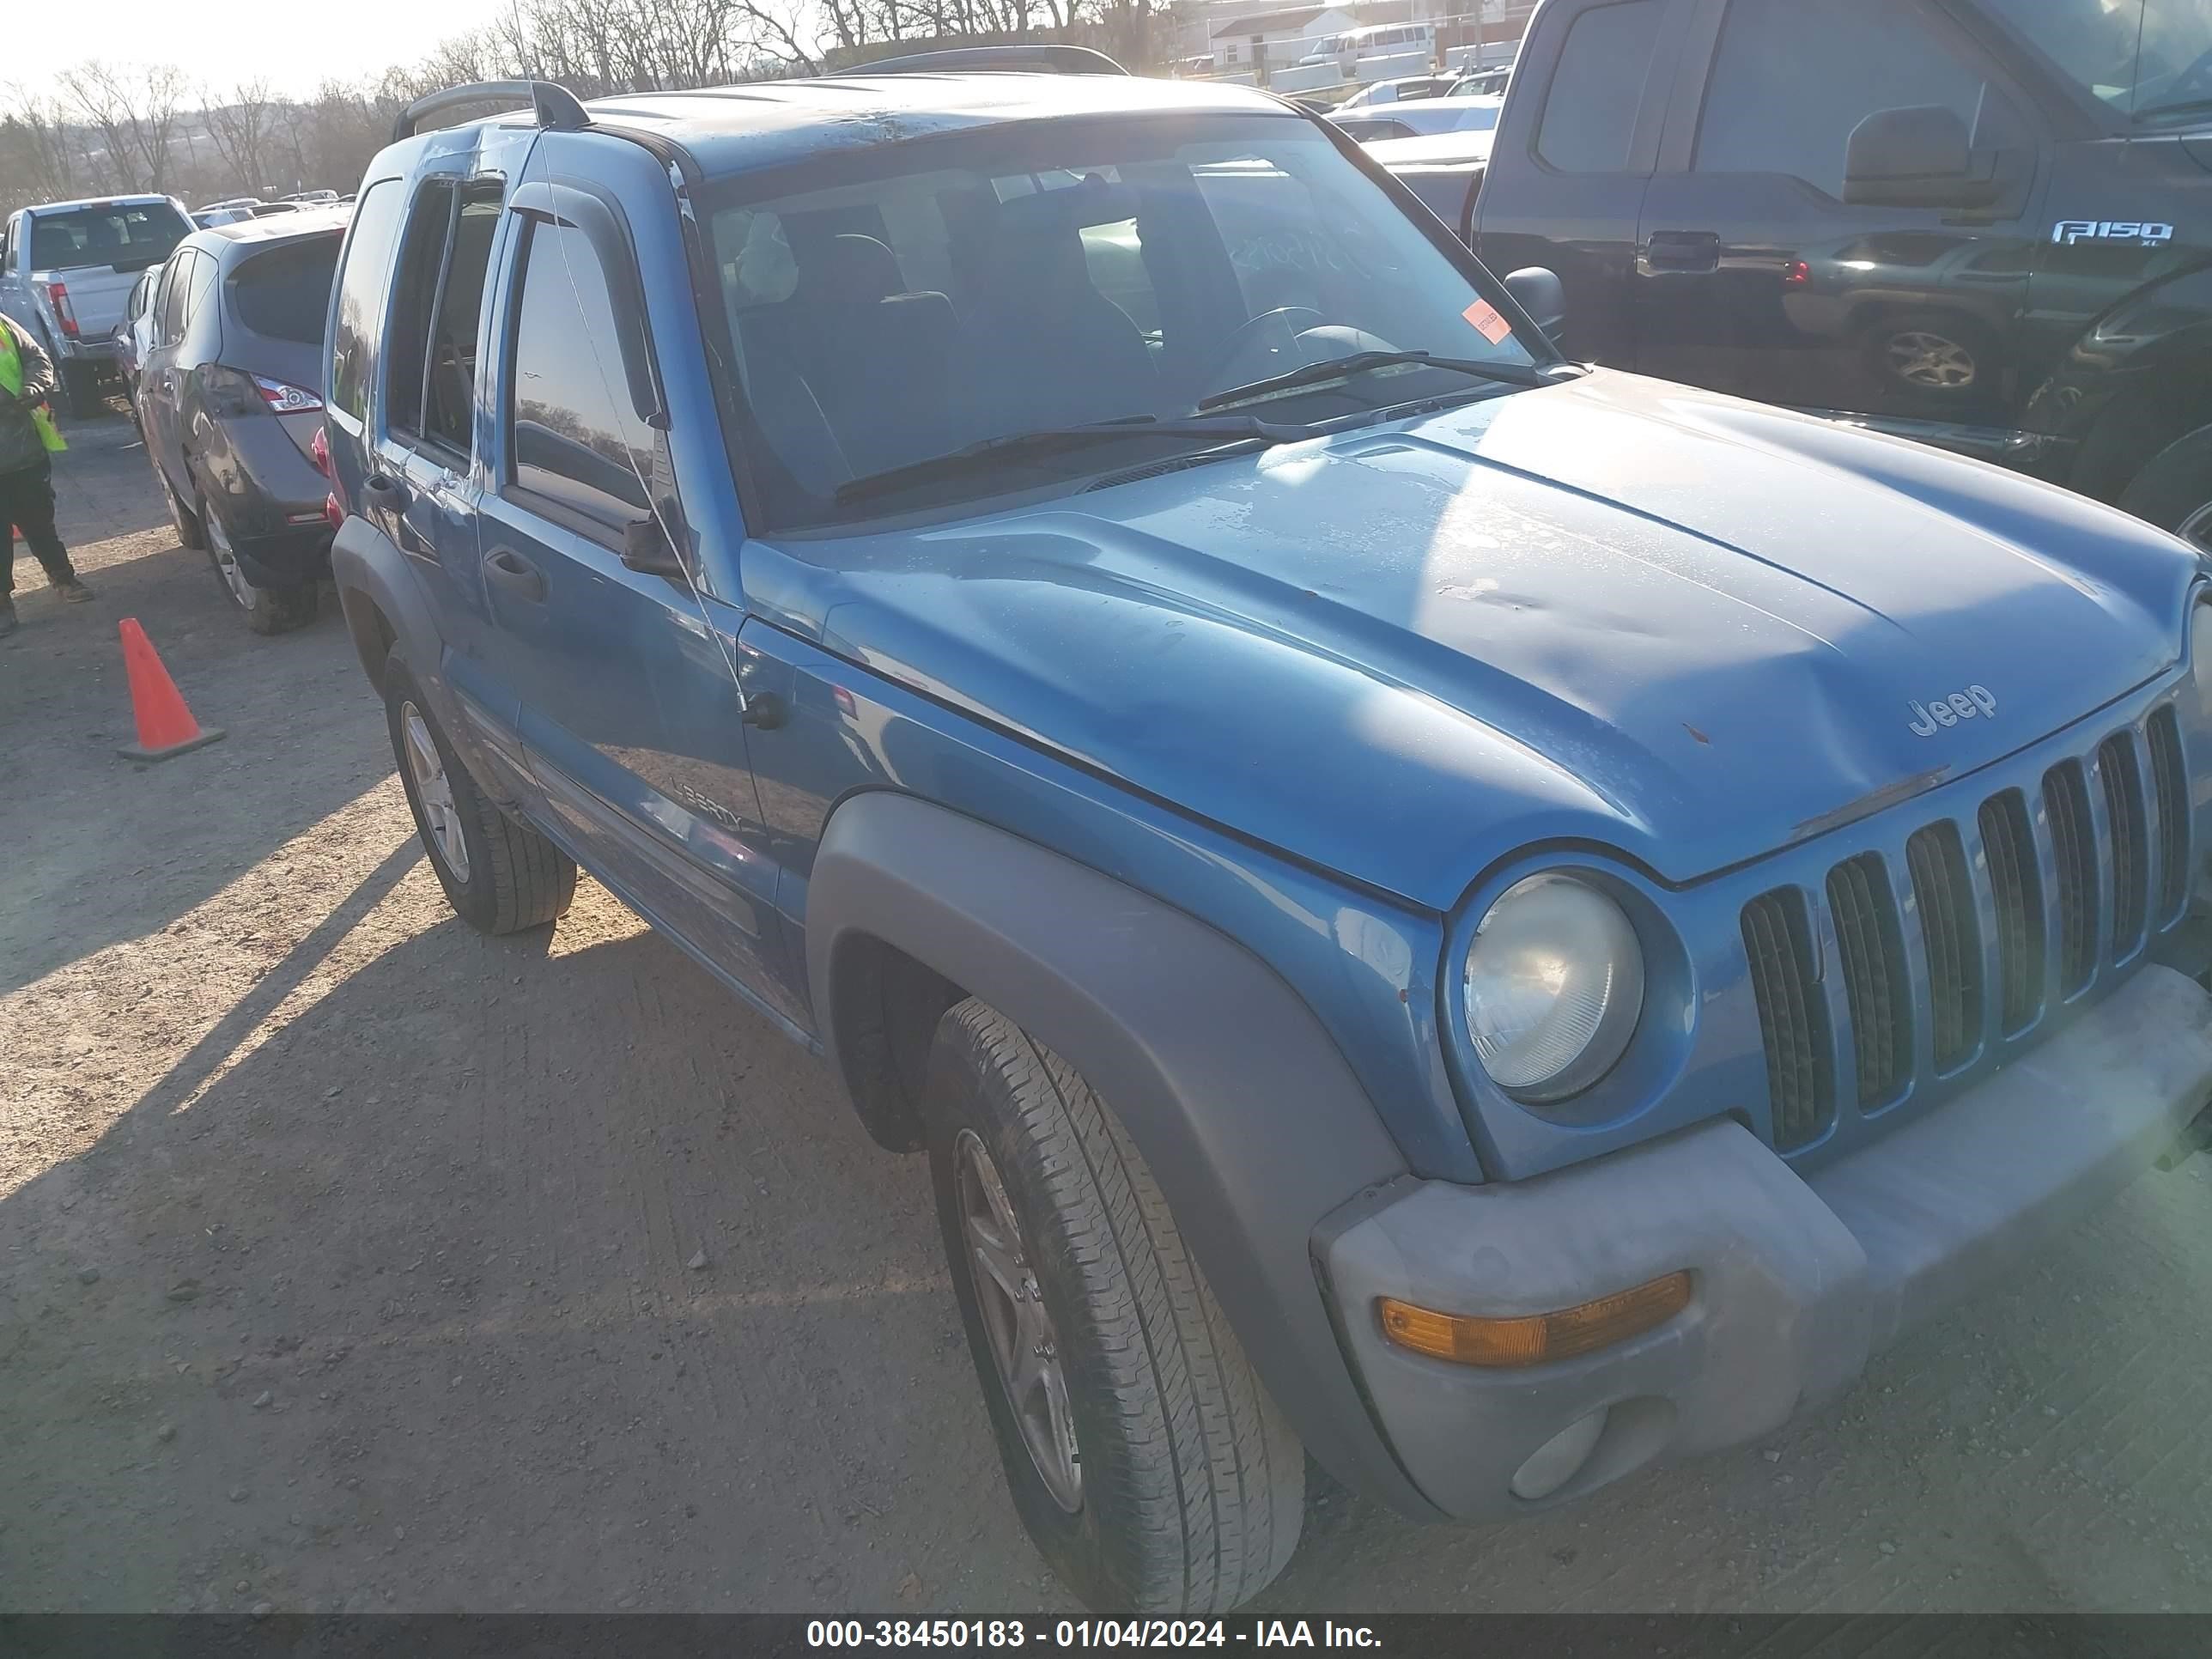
(1534, 1339)
(1560, 1459)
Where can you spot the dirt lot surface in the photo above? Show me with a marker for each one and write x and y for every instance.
(343, 1252)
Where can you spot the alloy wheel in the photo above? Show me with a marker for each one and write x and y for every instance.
(435, 792)
(226, 562)
(1920, 358)
(1024, 1344)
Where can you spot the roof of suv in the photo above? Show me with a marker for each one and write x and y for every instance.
(764, 123)
(282, 228)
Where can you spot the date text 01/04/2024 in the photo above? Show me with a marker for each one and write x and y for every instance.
(1006, 1633)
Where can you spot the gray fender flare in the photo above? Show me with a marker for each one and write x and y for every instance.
(1251, 1122)
(365, 565)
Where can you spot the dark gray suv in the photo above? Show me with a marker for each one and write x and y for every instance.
(230, 400)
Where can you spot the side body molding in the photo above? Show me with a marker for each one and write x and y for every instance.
(1251, 1122)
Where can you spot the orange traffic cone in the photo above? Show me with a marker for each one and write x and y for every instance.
(165, 727)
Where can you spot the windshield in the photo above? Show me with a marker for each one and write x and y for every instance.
(2095, 43)
(924, 297)
(129, 236)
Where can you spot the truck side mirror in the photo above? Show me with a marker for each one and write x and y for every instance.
(1921, 156)
(1537, 291)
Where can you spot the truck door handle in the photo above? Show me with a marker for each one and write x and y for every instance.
(511, 570)
(1682, 250)
(384, 490)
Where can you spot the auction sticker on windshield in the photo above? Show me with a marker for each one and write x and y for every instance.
(1486, 321)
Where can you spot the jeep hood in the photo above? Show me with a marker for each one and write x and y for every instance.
(1616, 611)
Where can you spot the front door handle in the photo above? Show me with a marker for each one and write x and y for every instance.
(516, 574)
(1682, 250)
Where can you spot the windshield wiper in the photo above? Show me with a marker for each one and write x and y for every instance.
(1337, 369)
(2179, 106)
(991, 451)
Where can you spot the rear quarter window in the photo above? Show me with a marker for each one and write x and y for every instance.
(366, 273)
(285, 292)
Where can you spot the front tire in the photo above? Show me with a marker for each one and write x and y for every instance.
(2174, 489)
(500, 876)
(1150, 1468)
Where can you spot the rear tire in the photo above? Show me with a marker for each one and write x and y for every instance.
(500, 876)
(266, 610)
(80, 392)
(2174, 490)
(1163, 1479)
(191, 534)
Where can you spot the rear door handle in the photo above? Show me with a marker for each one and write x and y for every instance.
(512, 571)
(1683, 250)
(385, 490)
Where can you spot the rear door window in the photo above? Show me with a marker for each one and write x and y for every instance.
(176, 284)
(1589, 114)
(438, 312)
(285, 293)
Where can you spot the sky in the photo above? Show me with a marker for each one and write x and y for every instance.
(225, 42)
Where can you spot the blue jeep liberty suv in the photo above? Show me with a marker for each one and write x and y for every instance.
(1484, 921)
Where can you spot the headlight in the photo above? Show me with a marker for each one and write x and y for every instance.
(2200, 661)
(1555, 985)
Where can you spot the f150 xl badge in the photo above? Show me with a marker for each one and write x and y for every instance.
(2143, 232)
(1939, 712)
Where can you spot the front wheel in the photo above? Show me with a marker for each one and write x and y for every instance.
(1151, 1469)
(500, 876)
(2174, 490)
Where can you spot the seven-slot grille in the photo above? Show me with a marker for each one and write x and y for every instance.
(2050, 885)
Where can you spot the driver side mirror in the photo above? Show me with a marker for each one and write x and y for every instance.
(1921, 156)
(645, 547)
(1537, 291)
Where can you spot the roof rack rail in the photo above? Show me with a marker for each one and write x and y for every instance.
(554, 105)
(1043, 59)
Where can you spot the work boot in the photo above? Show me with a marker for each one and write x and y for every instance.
(9, 624)
(73, 592)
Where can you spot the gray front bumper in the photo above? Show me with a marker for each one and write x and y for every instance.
(1797, 1281)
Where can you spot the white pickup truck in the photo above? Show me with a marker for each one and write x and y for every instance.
(66, 270)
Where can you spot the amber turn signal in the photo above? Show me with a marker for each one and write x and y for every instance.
(1534, 1339)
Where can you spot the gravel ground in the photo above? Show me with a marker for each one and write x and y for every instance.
(343, 1252)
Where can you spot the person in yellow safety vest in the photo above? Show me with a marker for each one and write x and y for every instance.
(28, 442)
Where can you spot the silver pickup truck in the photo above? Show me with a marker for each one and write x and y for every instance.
(66, 270)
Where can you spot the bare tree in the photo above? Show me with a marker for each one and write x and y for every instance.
(42, 159)
(136, 111)
(243, 131)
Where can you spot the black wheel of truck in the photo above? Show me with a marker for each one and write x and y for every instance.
(266, 610)
(500, 876)
(2174, 490)
(1931, 353)
(80, 392)
(1151, 1469)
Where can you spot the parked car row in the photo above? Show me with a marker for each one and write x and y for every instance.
(220, 349)
(1984, 224)
(1485, 920)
